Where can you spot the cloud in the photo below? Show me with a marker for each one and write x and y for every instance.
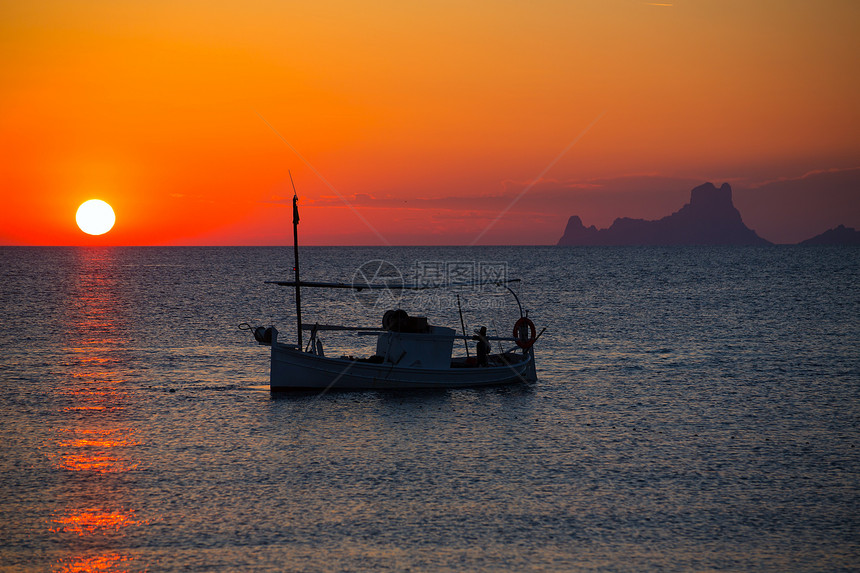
(783, 210)
(542, 193)
(807, 175)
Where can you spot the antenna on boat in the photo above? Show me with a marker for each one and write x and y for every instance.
(296, 256)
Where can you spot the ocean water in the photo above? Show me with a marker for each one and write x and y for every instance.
(697, 410)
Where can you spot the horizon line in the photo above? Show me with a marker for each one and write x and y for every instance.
(288, 245)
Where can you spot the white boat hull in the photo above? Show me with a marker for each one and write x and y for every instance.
(293, 369)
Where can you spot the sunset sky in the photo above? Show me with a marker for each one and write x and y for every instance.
(422, 122)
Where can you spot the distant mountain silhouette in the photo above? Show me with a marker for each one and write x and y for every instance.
(841, 235)
(709, 218)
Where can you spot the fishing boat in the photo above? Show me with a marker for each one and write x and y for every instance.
(410, 352)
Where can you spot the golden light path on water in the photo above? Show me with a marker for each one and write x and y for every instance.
(95, 445)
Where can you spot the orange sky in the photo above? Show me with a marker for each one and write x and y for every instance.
(428, 118)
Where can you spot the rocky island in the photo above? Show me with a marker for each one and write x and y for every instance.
(710, 218)
(840, 235)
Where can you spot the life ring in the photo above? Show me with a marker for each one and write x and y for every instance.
(525, 344)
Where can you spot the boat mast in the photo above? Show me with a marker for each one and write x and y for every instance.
(296, 257)
(463, 324)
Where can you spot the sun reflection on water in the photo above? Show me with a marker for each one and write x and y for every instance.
(93, 520)
(99, 438)
(106, 562)
(98, 463)
(95, 441)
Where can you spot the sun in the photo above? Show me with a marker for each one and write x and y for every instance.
(95, 217)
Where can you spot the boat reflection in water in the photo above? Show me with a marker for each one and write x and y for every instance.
(94, 443)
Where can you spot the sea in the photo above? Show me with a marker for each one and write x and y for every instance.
(696, 409)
